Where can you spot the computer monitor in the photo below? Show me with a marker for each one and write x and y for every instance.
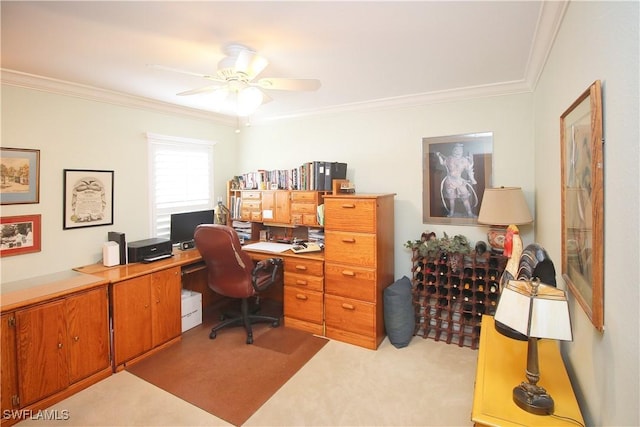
(184, 224)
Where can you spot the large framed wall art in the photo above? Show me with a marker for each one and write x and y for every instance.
(20, 177)
(88, 198)
(582, 193)
(456, 170)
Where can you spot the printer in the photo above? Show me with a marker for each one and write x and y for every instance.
(149, 250)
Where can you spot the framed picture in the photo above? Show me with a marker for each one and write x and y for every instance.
(20, 235)
(88, 198)
(456, 169)
(20, 177)
(582, 202)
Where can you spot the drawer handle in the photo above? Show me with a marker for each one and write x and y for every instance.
(348, 273)
(301, 297)
(301, 282)
(348, 306)
(301, 267)
(76, 338)
(351, 240)
(59, 345)
(348, 206)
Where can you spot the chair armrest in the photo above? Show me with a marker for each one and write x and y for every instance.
(265, 272)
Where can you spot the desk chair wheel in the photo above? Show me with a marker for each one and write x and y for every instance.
(275, 324)
(212, 335)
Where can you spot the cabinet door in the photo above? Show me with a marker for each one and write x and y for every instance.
(166, 300)
(131, 318)
(276, 206)
(42, 351)
(8, 361)
(88, 330)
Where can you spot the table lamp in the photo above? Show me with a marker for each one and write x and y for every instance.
(500, 208)
(537, 311)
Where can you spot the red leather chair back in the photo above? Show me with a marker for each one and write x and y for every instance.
(229, 267)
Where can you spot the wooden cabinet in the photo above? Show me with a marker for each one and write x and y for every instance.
(502, 363)
(303, 294)
(50, 347)
(295, 207)
(304, 207)
(146, 313)
(359, 265)
(251, 205)
(276, 206)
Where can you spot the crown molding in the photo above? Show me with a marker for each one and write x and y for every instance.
(46, 84)
(549, 20)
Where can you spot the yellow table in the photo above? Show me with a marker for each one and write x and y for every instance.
(501, 366)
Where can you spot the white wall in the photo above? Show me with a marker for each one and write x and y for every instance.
(73, 133)
(383, 150)
(598, 41)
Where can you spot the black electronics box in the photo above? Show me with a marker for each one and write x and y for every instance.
(149, 250)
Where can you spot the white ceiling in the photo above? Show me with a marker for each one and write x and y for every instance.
(366, 54)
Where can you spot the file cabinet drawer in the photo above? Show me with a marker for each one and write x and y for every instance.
(304, 196)
(346, 214)
(350, 248)
(303, 208)
(351, 282)
(304, 281)
(349, 315)
(303, 304)
(251, 195)
(304, 266)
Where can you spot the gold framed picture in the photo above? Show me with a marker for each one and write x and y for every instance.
(582, 171)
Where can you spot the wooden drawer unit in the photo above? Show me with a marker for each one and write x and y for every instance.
(303, 294)
(304, 206)
(359, 256)
(251, 206)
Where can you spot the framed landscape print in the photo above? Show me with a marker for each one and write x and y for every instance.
(20, 176)
(582, 192)
(20, 235)
(456, 170)
(88, 198)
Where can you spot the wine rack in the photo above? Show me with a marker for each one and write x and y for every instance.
(451, 292)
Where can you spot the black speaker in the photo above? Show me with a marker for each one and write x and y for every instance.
(189, 244)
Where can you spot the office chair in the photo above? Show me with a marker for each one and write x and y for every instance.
(231, 272)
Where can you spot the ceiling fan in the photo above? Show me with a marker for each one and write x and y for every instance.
(235, 80)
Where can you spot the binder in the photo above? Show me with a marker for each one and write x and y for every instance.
(338, 170)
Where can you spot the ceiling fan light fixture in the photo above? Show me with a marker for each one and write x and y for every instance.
(249, 99)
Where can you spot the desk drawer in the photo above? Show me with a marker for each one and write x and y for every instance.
(304, 281)
(350, 248)
(351, 282)
(303, 304)
(349, 315)
(304, 266)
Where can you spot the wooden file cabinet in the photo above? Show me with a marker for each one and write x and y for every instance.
(359, 265)
(303, 294)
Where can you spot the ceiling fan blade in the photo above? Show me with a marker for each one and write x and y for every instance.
(304, 85)
(189, 73)
(204, 89)
(250, 63)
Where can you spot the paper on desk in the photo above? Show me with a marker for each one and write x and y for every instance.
(268, 246)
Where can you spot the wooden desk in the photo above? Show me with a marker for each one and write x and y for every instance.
(501, 366)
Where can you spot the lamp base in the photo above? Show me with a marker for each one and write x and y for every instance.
(533, 399)
(496, 237)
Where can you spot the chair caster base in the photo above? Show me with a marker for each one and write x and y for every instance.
(212, 335)
(275, 323)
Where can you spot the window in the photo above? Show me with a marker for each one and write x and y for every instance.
(181, 178)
